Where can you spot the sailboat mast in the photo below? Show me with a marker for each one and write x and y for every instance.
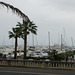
(49, 39)
(33, 39)
(72, 42)
(61, 42)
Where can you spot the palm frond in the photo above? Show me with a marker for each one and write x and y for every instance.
(33, 31)
(15, 10)
(14, 30)
(11, 35)
(18, 30)
(31, 24)
(34, 27)
(27, 32)
(19, 24)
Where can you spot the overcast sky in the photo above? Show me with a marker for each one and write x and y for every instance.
(54, 16)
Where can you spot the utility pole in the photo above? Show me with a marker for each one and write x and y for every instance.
(49, 39)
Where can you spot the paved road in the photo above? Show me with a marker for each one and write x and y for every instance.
(33, 71)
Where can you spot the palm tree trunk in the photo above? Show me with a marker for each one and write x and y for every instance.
(25, 45)
(15, 53)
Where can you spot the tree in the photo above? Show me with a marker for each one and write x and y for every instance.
(27, 28)
(1, 55)
(15, 10)
(60, 57)
(69, 55)
(14, 34)
(53, 55)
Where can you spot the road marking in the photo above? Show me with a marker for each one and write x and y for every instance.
(29, 72)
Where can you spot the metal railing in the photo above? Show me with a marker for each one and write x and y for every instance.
(38, 64)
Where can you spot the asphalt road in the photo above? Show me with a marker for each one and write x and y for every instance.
(33, 71)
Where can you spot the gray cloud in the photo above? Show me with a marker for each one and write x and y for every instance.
(48, 15)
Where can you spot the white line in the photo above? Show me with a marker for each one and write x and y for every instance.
(29, 72)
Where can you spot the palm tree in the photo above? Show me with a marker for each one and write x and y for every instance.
(14, 34)
(27, 27)
(15, 10)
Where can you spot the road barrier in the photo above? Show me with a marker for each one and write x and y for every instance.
(38, 64)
